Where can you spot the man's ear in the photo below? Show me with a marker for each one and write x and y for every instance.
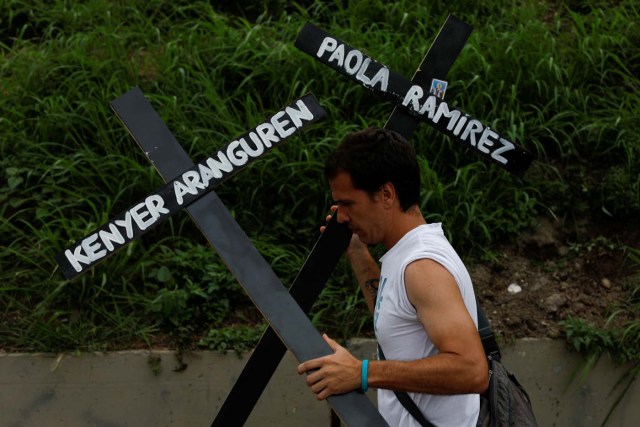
(388, 193)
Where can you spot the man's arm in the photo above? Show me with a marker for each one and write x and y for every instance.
(460, 366)
(366, 270)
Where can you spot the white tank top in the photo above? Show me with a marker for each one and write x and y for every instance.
(402, 336)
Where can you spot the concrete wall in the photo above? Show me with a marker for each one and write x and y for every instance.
(141, 388)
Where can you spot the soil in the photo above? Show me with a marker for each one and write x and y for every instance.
(549, 275)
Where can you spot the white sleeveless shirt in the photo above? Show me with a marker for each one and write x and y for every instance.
(402, 336)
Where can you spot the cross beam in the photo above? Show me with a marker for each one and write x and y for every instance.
(414, 99)
(186, 186)
(278, 307)
(324, 256)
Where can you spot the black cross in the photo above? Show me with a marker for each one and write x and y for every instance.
(288, 321)
(328, 249)
(191, 186)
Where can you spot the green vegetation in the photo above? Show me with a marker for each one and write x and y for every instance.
(560, 78)
(620, 338)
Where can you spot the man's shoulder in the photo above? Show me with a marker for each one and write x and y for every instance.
(425, 269)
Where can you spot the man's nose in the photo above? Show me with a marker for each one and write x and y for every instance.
(342, 216)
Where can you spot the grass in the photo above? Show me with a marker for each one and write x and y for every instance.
(559, 78)
(619, 338)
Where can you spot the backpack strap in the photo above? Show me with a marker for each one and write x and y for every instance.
(491, 349)
(407, 401)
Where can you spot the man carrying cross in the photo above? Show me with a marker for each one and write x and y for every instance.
(422, 299)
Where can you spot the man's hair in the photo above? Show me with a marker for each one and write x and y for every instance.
(373, 157)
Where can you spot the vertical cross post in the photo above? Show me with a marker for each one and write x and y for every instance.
(328, 249)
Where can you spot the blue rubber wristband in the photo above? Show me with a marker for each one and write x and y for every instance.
(364, 380)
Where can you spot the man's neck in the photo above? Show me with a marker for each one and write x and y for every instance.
(402, 223)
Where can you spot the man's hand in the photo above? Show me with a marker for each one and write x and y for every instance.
(337, 373)
(334, 208)
(356, 248)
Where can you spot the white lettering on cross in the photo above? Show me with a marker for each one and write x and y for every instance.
(460, 124)
(443, 110)
(126, 224)
(76, 257)
(474, 127)
(267, 134)
(139, 216)
(506, 146)
(351, 67)
(429, 106)
(487, 139)
(236, 155)
(206, 174)
(280, 125)
(113, 235)
(221, 164)
(296, 116)
(155, 206)
(328, 45)
(413, 96)
(253, 152)
(92, 248)
(338, 56)
(382, 76)
(355, 62)
(191, 184)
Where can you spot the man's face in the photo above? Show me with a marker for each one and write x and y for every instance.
(364, 214)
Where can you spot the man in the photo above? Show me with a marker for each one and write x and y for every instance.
(422, 298)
